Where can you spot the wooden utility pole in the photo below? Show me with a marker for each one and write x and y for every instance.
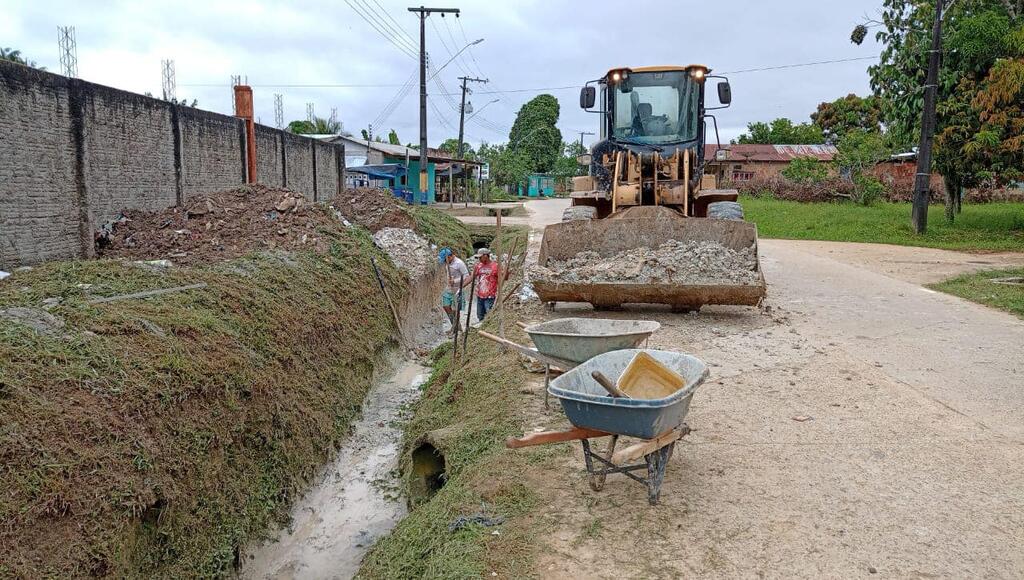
(423, 13)
(922, 181)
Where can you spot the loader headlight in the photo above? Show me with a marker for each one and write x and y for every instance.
(698, 74)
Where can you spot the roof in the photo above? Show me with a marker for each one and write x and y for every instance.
(435, 155)
(771, 153)
(660, 68)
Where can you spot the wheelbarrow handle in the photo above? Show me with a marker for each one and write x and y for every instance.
(608, 385)
(545, 437)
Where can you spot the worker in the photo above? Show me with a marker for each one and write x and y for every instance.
(486, 273)
(458, 278)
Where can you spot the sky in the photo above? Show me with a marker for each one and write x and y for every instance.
(355, 56)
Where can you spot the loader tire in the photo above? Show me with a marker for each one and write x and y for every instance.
(579, 213)
(726, 210)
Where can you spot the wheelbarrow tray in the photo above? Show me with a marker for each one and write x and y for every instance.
(587, 404)
(580, 339)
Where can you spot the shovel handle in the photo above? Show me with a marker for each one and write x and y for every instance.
(608, 385)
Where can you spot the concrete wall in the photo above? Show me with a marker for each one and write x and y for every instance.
(299, 169)
(74, 154)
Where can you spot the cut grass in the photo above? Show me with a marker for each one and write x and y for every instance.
(477, 405)
(986, 227)
(441, 229)
(980, 288)
(153, 438)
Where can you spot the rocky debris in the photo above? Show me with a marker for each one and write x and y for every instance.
(375, 209)
(219, 226)
(408, 250)
(38, 320)
(675, 261)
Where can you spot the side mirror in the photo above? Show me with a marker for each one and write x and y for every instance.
(584, 159)
(588, 95)
(724, 93)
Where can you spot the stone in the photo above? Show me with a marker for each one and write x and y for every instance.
(38, 320)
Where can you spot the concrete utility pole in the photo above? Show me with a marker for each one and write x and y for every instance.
(462, 110)
(922, 181)
(582, 133)
(423, 13)
(462, 131)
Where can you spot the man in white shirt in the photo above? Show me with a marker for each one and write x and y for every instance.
(458, 278)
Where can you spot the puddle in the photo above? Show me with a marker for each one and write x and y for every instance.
(356, 499)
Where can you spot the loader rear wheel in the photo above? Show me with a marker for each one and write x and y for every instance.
(579, 213)
(725, 210)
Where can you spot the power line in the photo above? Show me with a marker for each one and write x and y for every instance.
(404, 49)
(782, 66)
(398, 34)
(437, 33)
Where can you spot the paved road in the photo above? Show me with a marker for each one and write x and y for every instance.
(864, 424)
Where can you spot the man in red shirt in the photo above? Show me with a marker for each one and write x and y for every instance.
(486, 273)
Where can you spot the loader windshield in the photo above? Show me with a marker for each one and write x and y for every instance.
(655, 107)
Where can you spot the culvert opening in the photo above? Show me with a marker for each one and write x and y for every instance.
(428, 472)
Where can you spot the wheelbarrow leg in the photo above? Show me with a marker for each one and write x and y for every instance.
(656, 464)
(547, 383)
(597, 481)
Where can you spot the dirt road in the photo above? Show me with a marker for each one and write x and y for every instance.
(906, 461)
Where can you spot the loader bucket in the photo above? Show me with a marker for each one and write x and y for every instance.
(620, 233)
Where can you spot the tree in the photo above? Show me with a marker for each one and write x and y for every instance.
(181, 102)
(782, 132)
(973, 38)
(451, 146)
(858, 151)
(535, 136)
(805, 170)
(12, 55)
(319, 126)
(393, 137)
(846, 113)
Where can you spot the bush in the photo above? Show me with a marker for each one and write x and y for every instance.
(867, 189)
(805, 169)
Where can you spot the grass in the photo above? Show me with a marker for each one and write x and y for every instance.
(476, 406)
(980, 288)
(153, 438)
(983, 227)
(441, 229)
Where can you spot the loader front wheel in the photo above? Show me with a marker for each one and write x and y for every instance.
(579, 213)
(725, 210)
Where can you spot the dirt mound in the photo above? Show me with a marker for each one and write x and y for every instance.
(219, 226)
(374, 209)
(674, 261)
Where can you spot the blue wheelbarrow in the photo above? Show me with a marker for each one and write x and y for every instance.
(597, 408)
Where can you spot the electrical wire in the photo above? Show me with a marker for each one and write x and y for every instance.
(404, 49)
(801, 64)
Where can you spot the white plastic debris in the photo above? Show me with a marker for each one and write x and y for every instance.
(4, 274)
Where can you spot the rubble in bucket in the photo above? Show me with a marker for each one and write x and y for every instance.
(675, 261)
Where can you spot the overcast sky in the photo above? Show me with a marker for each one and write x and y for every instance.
(529, 45)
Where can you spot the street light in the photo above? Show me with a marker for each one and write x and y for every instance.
(477, 112)
(454, 56)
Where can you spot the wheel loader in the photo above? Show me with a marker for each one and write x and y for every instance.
(646, 186)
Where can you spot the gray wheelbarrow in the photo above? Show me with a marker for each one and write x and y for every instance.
(657, 422)
(564, 343)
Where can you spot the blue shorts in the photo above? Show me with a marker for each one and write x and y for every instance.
(448, 299)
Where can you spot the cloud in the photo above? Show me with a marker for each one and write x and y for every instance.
(528, 45)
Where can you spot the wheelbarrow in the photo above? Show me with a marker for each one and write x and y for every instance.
(657, 423)
(564, 343)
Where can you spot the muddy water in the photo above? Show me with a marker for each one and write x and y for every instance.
(356, 499)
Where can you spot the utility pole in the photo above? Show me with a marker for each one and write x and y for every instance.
(582, 133)
(462, 131)
(922, 181)
(423, 12)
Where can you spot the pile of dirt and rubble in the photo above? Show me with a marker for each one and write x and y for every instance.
(675, 261)
(408, 250)
(374, 209)
(222, 225)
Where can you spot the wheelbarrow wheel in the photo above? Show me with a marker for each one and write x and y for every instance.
(597, 481)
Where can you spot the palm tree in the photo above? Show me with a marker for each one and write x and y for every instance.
(12, 55)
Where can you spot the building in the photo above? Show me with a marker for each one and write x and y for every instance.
(744, 162)
(376, 164)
